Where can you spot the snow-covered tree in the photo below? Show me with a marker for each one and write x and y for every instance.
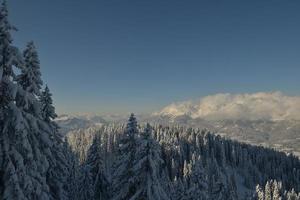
(74, 174)
(95, 162)
(198, 180)
(276, 190)
(30, 77)
(259, 193)
(32, 159)
(22, 168)
(47, 108)
(268, 191)
(30, 81)
(148, 169)
(124, 185)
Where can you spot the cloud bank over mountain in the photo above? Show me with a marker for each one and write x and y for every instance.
(262, 105)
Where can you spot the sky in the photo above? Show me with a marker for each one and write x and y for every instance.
(116, 56)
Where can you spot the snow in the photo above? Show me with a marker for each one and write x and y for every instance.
(262, 105)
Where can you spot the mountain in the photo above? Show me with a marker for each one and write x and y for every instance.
(257, 106)
(69, 123)
(268, 119)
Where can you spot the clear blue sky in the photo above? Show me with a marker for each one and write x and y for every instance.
(106, 56)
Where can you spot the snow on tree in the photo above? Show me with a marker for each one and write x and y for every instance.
(131, 127)
(148, 169)
(124, 183)
(95, 162)
(22, 168)
(198, 181)
(74, 174)
(47, 108)
(259, 193)
(276, 190)
(220, 177)
(30, 77)
(32, 159)
(268, 191)
(273, 190)
(30, 81)
(57, 158)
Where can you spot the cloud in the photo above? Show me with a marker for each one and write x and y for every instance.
(268, 106)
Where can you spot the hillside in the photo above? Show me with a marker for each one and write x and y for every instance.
(234, 168)
(283, 135)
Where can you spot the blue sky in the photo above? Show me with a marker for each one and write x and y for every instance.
(109, 56)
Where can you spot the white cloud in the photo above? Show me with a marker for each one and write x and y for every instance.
(270, 106)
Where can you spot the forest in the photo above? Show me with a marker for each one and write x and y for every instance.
(120, 161)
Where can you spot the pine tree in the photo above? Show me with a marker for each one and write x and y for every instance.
(276, 190)
(30, 77)
(22, 167)
(85, 186)
(177, 189)
(73, 177)
(216, 187)
(259, 193)
(148, 169)
(124, 185)
(95, 162)
(268, 191)
(198, 181)
(47, 108)
(30, 81)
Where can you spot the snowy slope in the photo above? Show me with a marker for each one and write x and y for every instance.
(256, 106)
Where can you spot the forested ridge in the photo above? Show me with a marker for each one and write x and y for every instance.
(119, 161)
(192, 163)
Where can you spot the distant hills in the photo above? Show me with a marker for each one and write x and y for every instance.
(283, 135)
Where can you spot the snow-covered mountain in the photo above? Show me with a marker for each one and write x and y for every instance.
(269, 119)
(69, 123)
(256, 106)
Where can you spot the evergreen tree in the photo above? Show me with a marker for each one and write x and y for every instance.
(148, 169)
(216, 187)
(177, 189)
(259, 193)
(73, 177)
(47, 108)
(30, 77)
(22, 168)
(85, 186)
(31, 160)
(198, 181)
(95, 162)
(268, 191)
(124, 183)
(276, 190)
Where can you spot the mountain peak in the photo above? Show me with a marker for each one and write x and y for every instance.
(255, 106)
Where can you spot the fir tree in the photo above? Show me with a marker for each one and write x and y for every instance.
(198, 182)
(259, 193)
(148, 168)
(58, 169)
(47, 108)
(22, 167)
(95, 162)
(30, 77)
(268, 191)
(85, 186)
(30, 81)
(124, 183)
